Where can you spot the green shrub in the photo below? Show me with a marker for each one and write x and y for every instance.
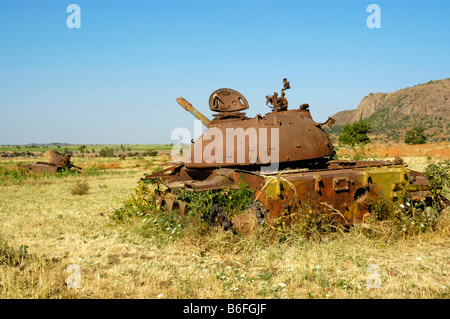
(439, 175)
(405, 216)
(143, 204)
(416, 136)
(106, 152)
(150, 152)
(232, 201)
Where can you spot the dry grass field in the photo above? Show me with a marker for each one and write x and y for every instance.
(45, 229)
(417, 156)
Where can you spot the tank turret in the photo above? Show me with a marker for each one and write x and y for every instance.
(285, 137)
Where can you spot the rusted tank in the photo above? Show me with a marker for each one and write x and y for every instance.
(286, 158)
(56, 162)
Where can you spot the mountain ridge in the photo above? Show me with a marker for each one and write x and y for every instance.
(392, 114)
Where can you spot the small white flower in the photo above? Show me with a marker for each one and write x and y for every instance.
(402, 206)
(418, 258)
(160, 296)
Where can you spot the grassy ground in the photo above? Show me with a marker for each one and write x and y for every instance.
(45, 229)
(89, 147)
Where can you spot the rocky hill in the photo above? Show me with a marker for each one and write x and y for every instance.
(392, 114)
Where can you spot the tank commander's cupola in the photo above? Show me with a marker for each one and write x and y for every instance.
(229, 103)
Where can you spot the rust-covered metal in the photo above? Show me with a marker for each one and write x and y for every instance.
(299, 139)
(56, 158)
(228, 103)
(56, 162)
(188, 107)
(305, 170)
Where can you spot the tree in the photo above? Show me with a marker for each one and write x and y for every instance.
(83, 149)
(416, 136)
(355, 134)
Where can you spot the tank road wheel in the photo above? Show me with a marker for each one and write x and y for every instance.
(170, 204)
(219, 217)
(259, 210)
(250, 219)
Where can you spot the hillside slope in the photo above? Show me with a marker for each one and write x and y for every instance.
(392, 114)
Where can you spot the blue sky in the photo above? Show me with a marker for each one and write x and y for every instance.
(116, 79)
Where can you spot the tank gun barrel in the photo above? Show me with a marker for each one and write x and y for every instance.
(188, 107)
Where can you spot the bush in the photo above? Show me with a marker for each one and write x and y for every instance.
(150, 152)
(232, 201)
(416, 136)
(405, 217)
(143, 204)
(106, 152)
(81, 187)
(439, 175)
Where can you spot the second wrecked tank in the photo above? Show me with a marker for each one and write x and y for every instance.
(56, 162)
(285, 157)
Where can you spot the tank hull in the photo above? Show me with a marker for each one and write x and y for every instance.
(349, 188)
